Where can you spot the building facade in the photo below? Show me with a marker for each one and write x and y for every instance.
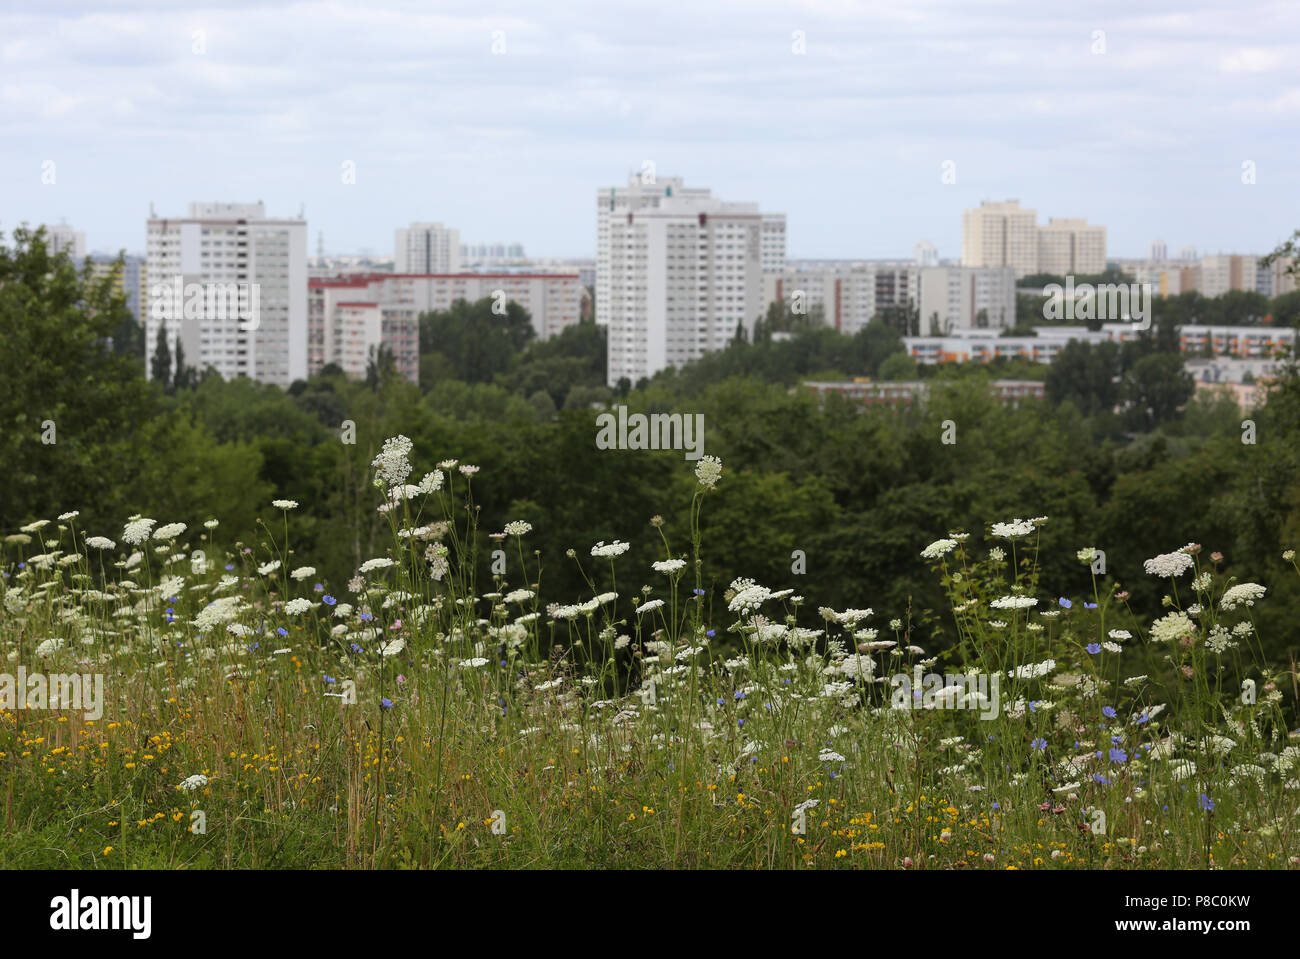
(230, 284)
(352, 317)
(1000, 234)
(850, 293)
(426, 248)
(1070, 247)
(683, 275)
(642, 192)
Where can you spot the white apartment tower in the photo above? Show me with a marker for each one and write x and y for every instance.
(1068, 247)
(682, 275)
(63, 237)
(1000, 234)
(957, 298)
(426, 248)
(850, 294)
(772, 252)
(231, 286)
(643, 191)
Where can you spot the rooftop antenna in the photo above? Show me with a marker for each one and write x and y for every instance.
(152, 214)
(302, 210)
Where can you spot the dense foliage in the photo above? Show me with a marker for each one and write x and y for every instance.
(1119, 455)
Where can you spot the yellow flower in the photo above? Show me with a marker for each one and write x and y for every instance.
(107, 850)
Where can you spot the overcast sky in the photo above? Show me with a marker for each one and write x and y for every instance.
(848, 139)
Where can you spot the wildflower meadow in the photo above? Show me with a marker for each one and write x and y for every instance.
(172, 699)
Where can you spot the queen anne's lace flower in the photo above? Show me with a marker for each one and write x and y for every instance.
(392, 464)
(1017, 527)
(708, 471)
(1172, 627)
(137, 530)
(1168, 564)
(939, 548)
(1242, 594)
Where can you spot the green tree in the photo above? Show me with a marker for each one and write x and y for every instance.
(70, 406)
(1155, 390)
(476, 342)
(161, 367)
(898, 366)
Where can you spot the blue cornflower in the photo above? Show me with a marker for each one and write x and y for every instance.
(1108, 712)
(319, 588)
(328, 679)
(1207, 802)
(709, 633)
(740, 722)
(1118, 755)
(229, 567)
(366, 617)
(1088, 605)
(386, 703)
(1093, 648)
(281, 631)
(328, 600)
(740, 694)
(356, 648)
(1065, 602)
(1039, 743)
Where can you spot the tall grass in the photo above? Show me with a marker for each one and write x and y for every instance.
(424, 718)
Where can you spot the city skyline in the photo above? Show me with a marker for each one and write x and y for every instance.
(245, 103)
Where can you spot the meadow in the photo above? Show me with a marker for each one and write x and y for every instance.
(429, 714)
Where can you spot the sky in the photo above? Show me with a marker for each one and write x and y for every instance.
(503, 119)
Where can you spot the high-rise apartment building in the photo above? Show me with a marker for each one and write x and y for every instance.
(642, 191)
(130, 280)
(1222, 273)
(230, 284)
(681, 275)
(1070, 247)
(772, 254)
(952, 299)
(426, 248)
(1002, 234)
(62, 238)
(850, 293)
